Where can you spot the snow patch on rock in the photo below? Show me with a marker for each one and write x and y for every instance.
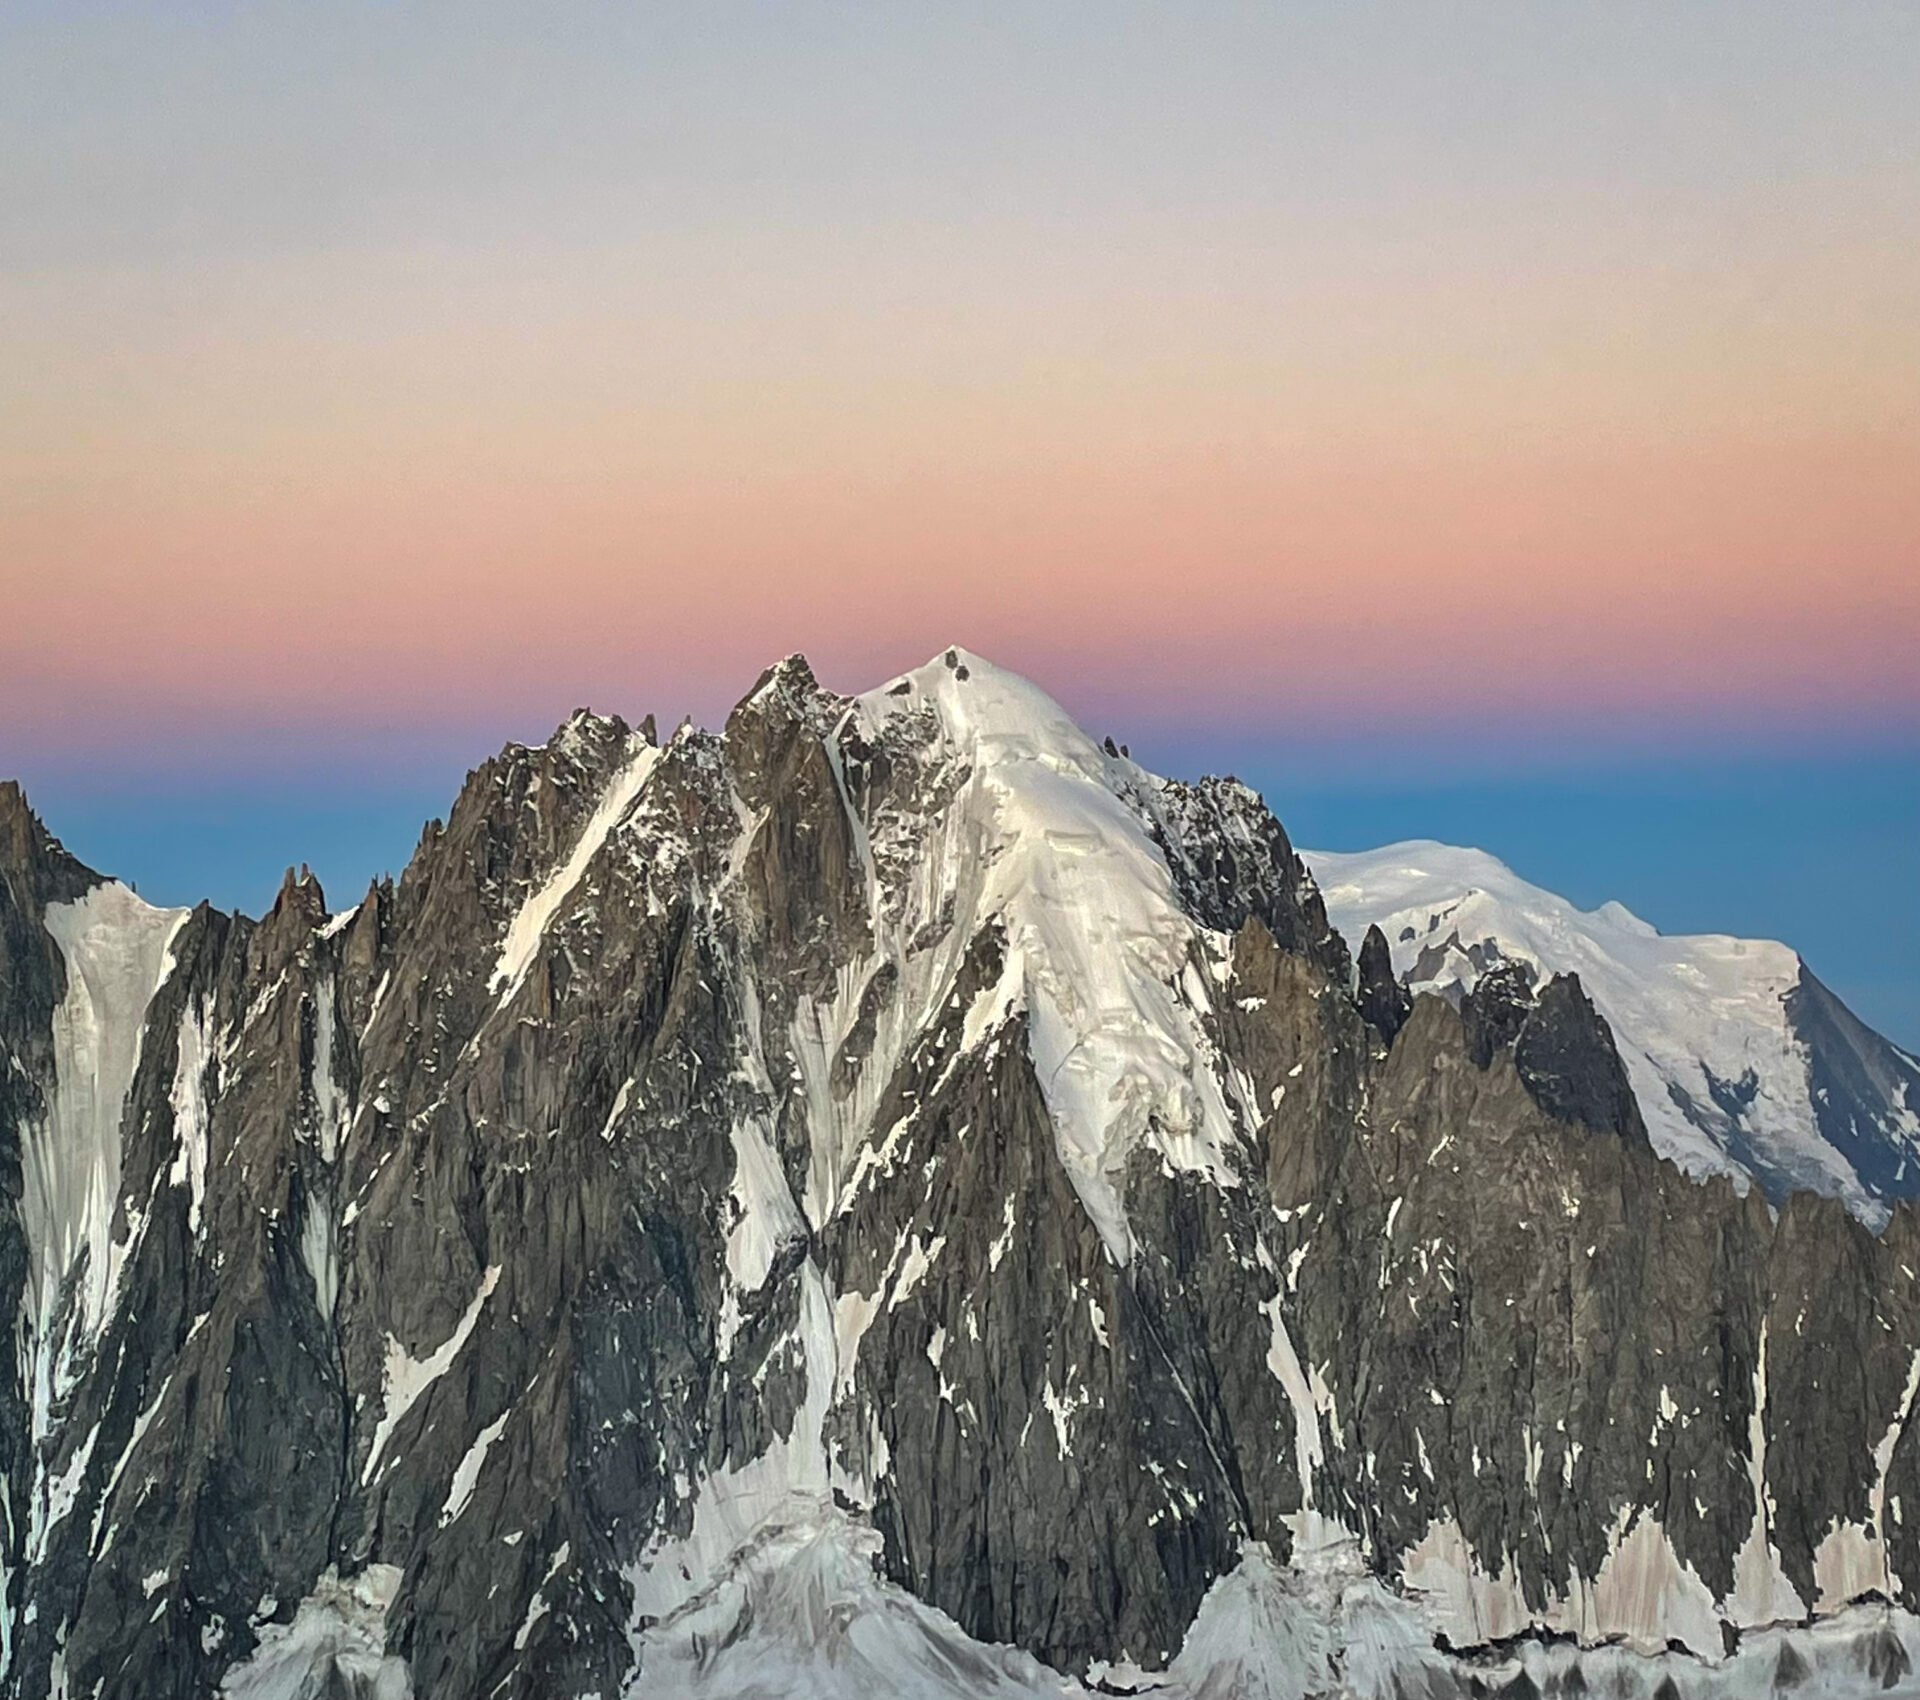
(331, 1112)
(408, 1377)
(466, 1475)
(1644, 1597)
(1761, 1592)
(529, 925)
(188, 1098)
(1852, 1559)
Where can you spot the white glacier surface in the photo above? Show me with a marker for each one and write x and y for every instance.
(1042, 841)
(1695, 1014)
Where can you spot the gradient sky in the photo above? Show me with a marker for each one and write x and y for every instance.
(1441, 413)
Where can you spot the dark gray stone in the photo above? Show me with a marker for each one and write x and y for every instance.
(1493, 1282)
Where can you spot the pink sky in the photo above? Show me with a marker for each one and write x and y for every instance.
(1370, 375)
(1226, 574)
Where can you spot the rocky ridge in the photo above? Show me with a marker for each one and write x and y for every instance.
(892, 1197)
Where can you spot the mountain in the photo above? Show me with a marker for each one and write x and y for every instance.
(1742, 1062)
(891, 1198)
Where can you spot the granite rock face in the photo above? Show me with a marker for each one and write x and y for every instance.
(894, 1180)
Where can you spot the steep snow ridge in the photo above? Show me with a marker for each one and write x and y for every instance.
(1699, 1019)
(1040, 840)
(529, 924)
(117, 952)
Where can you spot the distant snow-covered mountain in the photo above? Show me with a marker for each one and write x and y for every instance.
(1742, 1061)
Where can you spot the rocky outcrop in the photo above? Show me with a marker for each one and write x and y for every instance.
(1384, 1001)
(891, 1181)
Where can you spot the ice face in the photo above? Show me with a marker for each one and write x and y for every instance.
(116, 950)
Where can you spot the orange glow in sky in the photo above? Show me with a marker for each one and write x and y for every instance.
(1298, 368)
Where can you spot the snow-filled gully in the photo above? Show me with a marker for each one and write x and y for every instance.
(117, 951)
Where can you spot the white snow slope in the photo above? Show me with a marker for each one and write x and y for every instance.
(1048, 838)
(1701, 1021)
(800, 1614)
(117, 952)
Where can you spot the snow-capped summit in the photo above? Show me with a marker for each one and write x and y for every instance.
(1743, 1063)
(891, 1197)
(1053, 842)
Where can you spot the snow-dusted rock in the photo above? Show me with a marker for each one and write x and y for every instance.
(1742, 1061)
(891, 1197)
